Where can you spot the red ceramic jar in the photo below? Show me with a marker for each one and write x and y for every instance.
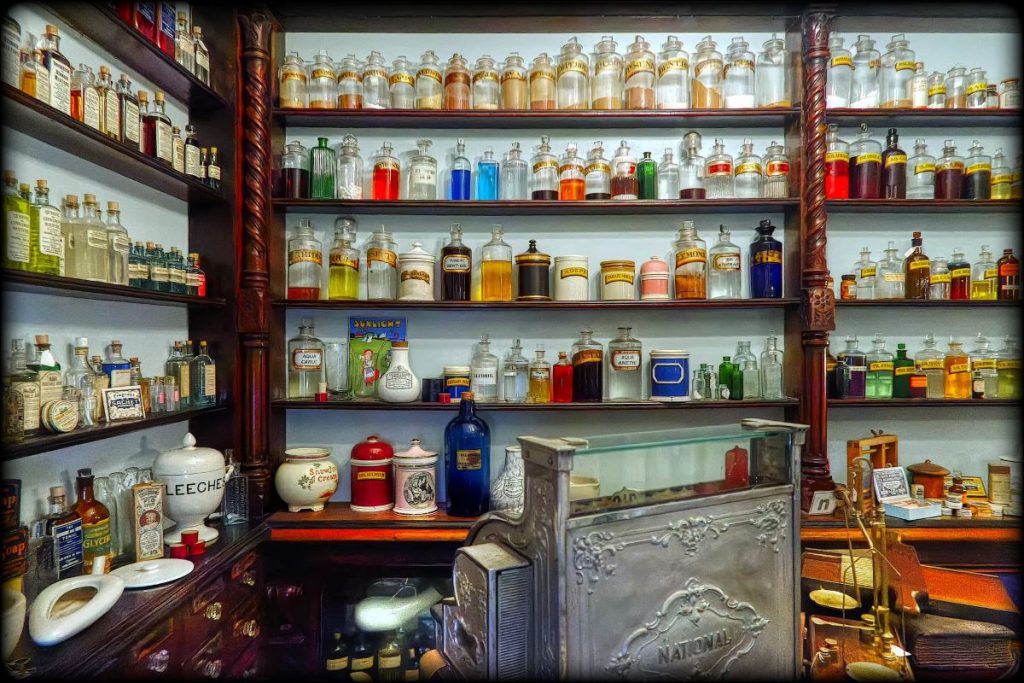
(373, 488)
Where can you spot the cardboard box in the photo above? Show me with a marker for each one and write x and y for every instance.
(893, 492)
(148, 521)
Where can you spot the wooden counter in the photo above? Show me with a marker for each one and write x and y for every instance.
(338, 522)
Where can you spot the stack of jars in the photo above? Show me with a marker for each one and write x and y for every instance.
(869, 80)
(605, 80)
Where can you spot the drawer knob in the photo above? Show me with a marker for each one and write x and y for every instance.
(248, 627)
(248, 579)
(213, 611)
(210, 668)
(158, 661)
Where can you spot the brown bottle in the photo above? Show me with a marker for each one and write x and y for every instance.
(917, 271)
(894, 168)
(1008, 288)
(95, 522)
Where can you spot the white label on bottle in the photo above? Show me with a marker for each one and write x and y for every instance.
(210, 380)
(725, 262)
(60, 87)
(307, 359)
(213, 172)
(455, 263)
(63, 250)
(30, 395)
(91, 108)
(337, 664)
(178, 157)
(192, 161)
(398, 378)
(17, 236)
(540, 374)
(159, 274)
(51, 388)
(111, 114)
(49, 231)
(424, 175)
(163, 141)
(484, 377)
(131, 122)
(42, 84)
(121, 378)
(176, 275)
(120, 243)
(97, 238)
(202, 60)
(11, 57)
(626, 360)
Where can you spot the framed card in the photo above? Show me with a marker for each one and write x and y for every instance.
(823, 503)
(974, 487)
(123, 403)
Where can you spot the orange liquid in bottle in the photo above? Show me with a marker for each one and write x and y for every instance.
(573, 188)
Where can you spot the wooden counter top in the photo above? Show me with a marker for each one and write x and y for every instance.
(338, 522)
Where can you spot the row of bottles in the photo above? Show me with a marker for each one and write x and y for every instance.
(169, 29)
(980, 373)
(867, 79)
(602, 80)
(916, 276)
(37, 394)
(111, 108)
(863, 170)
(323, 172)
(356, 655)
(69, 243)
(697, 272)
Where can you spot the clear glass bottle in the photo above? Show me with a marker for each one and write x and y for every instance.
(456, 84)
(292, 92)
(890, 281)
(515, 374)
(623, 180)
(85, 99)
(673, 88)
(921, 172)
(543, 87)
(1002, 177)
(234, 508)
(428, 82)
(401, 84)
(95, 261)
(718, 177)
(587, 368)
(46, 249)
(691, 168)
(691, 264)
(771, 369)
(865, 166)
(956, 88)
(461, 173)
(293, 182)
(919, 87)
(668, 176)
(865, 92)
(771, 88)
(350, 83)
(496, 268)
(514, 87)
(375, 82)
(839, 80)
(625, 364)
(748, 174)
(977, 86)
(202, 55)
(958, 371)
(348, 171)
(381, 267)
(483, 372)
(423, 173)
(539, 387)
(706, 80)
(343, 281)
(305, 362)
(486, 84)
(570, 175)
(937, 90)
(879, 378)
(597, 174)
(203, 375)
(573, 85)
(977, 178)
(776, 172)
(725, 280)
(739, 76)
(737, 387)
(865, 270)
(607, 82)
(640, 76)
(305, 263)
(514, 175)
(1008, 369)
(487, 177)
(939, 279)
(323, 82)
(984, 276)
(930, 361)
(59, 69)
(984, 376)
(118, 245)
(184, 46)
(949, 173)
(321, 171)
(387, 171)
(545, 172)
(896, 73)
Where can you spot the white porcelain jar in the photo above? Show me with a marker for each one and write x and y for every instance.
(399, 384)
(307, 478)
(194, 477)
(572, 282)
(416, 274)
(415, 480)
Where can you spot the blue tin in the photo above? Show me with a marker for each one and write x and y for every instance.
(670, 375)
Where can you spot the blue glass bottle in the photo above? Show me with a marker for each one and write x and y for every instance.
(487, 177)
(765, 264)
(458, 188)
(467, 454)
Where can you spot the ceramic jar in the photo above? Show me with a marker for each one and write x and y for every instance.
(571, 278)
(508, 490)
(654, 276)
(372, 475)
(307, 478)
(617, 278)
(399, 384)
(194, 478)
(416, 274)
(930, 476)
(415, 480)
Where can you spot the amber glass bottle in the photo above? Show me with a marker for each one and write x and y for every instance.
(917, 271)
(95, 522)
(1008, 287)
(958, 372)
(894, 168)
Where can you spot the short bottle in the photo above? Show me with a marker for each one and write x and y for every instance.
(515, 375)
(381, 267)
(305, 262)
(837, 165)
(939, 279)
(865, 271)
(707, 76)
(539, 390)
(916, 271)
(343, 278)
(423, 173)
(305, 362)
(573, 85)
(587, 368)
(724, 277)
(456, 267)
(484, 372)
(1008, 369)
(460, 174)
(467, 444)
(668, 176)
(486, 84)
(851, 370)
(896, 72)
(931, 361)
(542, 83)
(718, 175)
(1002, 177)
(647, 177)
(739, 75)
(765, 263)
(401, 84)
(514, 86)
(890, 281)
(375, 82)
(959, 276)
(977, 178)
(839, 77)
(984, 376)
(880, 371)
(771, 369)
(515, 175)
(428, 82)
(561, 379)
(606, 85)
(727, 372)
(958, 372)
(771, 89)
(640, 75)
(625, 361)
(673, 87)
(571, 179)
(894, 168)
(350, 83)
(456, 84)
(864, 91)
(597, 174)
(544, 182)
(903, 369)
(921, 172)
(386, 174)
(348, 174)
(624, 181)
(984, 276)
(1008, 274)
(487, 177)
(776, 172)
(865, 166)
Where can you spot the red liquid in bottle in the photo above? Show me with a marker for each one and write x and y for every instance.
(866, 179)
(145, 19)
(959, 280)
(624, 187)
(125, 11)
(948, 183)
(837, 178)
(561, 382)
(167, 26)
(385, 183)
(77, 106)
(693, 193)
(306, 293)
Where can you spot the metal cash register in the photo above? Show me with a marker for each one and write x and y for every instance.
(676, 562)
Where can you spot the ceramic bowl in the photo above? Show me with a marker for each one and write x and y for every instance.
(14, 620)
(306, 479)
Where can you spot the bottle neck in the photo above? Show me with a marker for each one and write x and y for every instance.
(467, 408)
(84, 489)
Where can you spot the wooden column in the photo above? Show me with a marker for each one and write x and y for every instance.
(817, 306)
(254, 300)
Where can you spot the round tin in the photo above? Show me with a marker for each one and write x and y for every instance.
(654, 278)
(572, 278)
(372, 475)
(618, 280)
(670, 375)
(416, 274)
(415, 481)
(59, 416)
(533, 275)
(456, 381)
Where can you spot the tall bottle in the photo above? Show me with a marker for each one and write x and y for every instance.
(85, 100)
(401, 84)
(25, 382)
(864, 91)
(984, 276)
(958, 372)
(718, 178)
(949, 173)
(977, 178)
(706, 80)
(738, 388)
(896, 73)
(1008, 370)
(93, 262)
(623, 181)
(839, 79)
(156, 131)
(891, 278)
(17, 226)
(690, 264)
(865, 166)
(1008, 273)
(561, 379)
(984, 376)
(739, 76)
(177, 367)
(515, 375)
(668, 176)
(607, 83)
(96, 537)
(673, 88)
(381, 267)
(110, 105)
(514, 86)
(917, 270)
(939, 280)
(724, 279)
(486, 84)
(854, 377)
(921, 172)
(202, 55)
(880, 370)
(47, 369)
(771, 369)
(894, 168)
(456, 267)
(573, 85)
(765, 263)
(647, 177)
(348, 172)
(305, 362)
(305, 263)
(1002, 177)
(571, 180)
(919, 87)
(496, 268)
(747, 177)
(428, 82)
(771, 88)
(203, 374)
(423, 173)
(691, 168)
(467, 443)
(640, 78)
(46, 247)
(515, 175)
(902, 370)
(59, 69)
(386, 174)
(487, 177)
(321, 171)
(931, 362)
(483, 372)
(587, 367)
(375, 82)
(461, 172)
(456, 84)
(184, 46)
(625, 360)
(118, 244)
(343, 280)
(837, 165)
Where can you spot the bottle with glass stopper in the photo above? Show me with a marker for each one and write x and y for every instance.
(545, 172)
(949, 172)
(865, 271)
(864, 90)
(515, 374)
(921, 172)
(1002, 177)
(514, 175)
(381, 267)
(597, 174)
(673, 88)
(625, 360)
(890, 281)
(958, 371)
(771, 369)
(571, 180)
(977, 178)
(984, 376)
(747, 177)
(539, 388)
(738, 388)
(401, 84)
(624, 181)
(348, 174)
(305, 362)
(1008, 370)
(690, 264)
(939, 279)
(984, 276)
(305, 262)
(894, 168)
(386, 174)
(423, 173)
(718, 177)
(691, 168)
(343, 282)
(487, 177)
(739, 75)
(916, 270)
(461, 172)
(930, 361)
(765, 263)
(606, 85)
(725, 280)
(840, 75)
(587, 368)
(496, 268)
(428, 82)
(878, 383)
(483, 372)
(456, 267)
(668, 176)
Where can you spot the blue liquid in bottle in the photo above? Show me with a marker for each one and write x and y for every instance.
(765, 264)
(467, 454)
(487, 177)
(461, 172)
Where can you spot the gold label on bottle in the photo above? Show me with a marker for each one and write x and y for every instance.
(707, 65)
(570, 167)
(739, 64)
(639, 66)
(390, 662)
(905, 65)
(868, 158)
(485, 75)
(371, 475)
(937, 90)
(880, 366)
(544, 163)
(322, 72)
(456, 78)
(776, 168)
(471, 459)
(980, 86)
(1008, 364)
(572, 272)
(842, 60)
(433, 74)
(991, 273)
(690, 256)
(375, 73)
(837, 156)
(542, 75)
(904, 370)
(293, 76)
(618, 277)
(922, 264)
(768, 256)
(1001, 179)
(868, 272)
(978, 168)
(343, 261)
(673, 64)
(950, 165)
(512, 75)
(984, 364)
(96, 539)
(939, 278)
(960, 272)
(456, 382)
(390, 164)
(587, 356)
(956, 368)
(362, 663)
(598, 167)
(337, 664)
(305, 256)
(577, 65)
(402, 77)
(748, 167)
(924, 168)
(894, 159)
(930, 364)
(420, 275)
(350, 76)
(376, 254)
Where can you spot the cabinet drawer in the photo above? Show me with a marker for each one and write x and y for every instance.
(245, 579)
(203, 614)
(208, 661)
(155, 655)
(243, 627)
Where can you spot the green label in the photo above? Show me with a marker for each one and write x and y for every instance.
(96, 538)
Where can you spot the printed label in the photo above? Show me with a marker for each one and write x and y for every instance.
(429, 73)
(294, 76)
(179, 155)
(213, 171)
(937, 90)
(397, 78)
(991, 273)
(707, 65)
(748, 167)
(725, 262)
(1001, 178)
(905, 65)
(17, 242)
(542, 75)
(307, 359)
(30, 399)
(868, 272)
(456, 263)
(950, 165)
(939, 278)
(163, 141)
(111, 114)
(574, 271)
(390, 662)
(673, 64)
(777, 168)
(540, 374)
(618, 277)
(880, 366)
(587, 356)
(485, 75)
(577, 65)
(512, 75)
(305, 256)
(96, 538)
(158, 274)
(184, 379)
(131, 122)
(956, 368)
(893, 277)
(980, 86)
(1008, 364)
(337, 664)
(904, 370)
(720, 168)
(603, 66)
(91, 108)
(414, 274)
(979, 168)
(837, 156)
(575, 168)
(67, 545)
(456, 382)
(739, 64)
(470, 459)
(484, 376)
(544, 163)
(920, 265)
(690, 256)
(192, 160)
(210, 380)
(984, 364)
(60, 86)
(638, 66)
(423, 175)
(868, 158)
(376, 254)
(371, 476)
(960, 272)
(627, 361)
(96, 238)
(362, 663)
(1009, 269)
(894, 159)
(343, 261)
(924, 167)
(768, 256)
(374, 73)
(322, 72)
(930, 364)
(842, 60)
(49, 231)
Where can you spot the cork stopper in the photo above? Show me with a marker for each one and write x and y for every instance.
(104, 70)
(23, 187)
(9, 178)
(89, 199)
(71, 200)
(113, 206)
(56, 492)
(40, 184)
(149, 245)
(467, 396)
(52, 30)
(213, 150)
(175, 130)
(115, 345)
(143, 96)
(158, 97)
(42, 340)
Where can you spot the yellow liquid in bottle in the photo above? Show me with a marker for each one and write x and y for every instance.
(343, 284)
(983, 289)
(539, 388)
(496, 277)
(958, 377)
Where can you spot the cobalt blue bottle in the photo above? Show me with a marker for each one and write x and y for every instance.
(765, 264)
(467, 454)
(461, 170)
(487, 177)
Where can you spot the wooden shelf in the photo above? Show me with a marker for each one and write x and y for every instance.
(535, 305)
(988, 530)
(922, 206)
(407, 118)
(337, 522)
(373, 404)
(919, 402)
(46, 124)
(600, 207)
(925, 303)
(143, 58)
(45, 441)
(926, 118)
(37, 283)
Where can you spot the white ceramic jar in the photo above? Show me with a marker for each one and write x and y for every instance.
(194, 478)
(415, 480)
(399, 384)
(416, 274)
(572, 282)
(307, 478)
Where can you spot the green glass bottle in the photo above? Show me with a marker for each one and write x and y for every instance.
(321, 171)
(17, 224)
(903, 368)
(880, 370)
(647, 178)
(726, 375)
(45, 229)
(138, 267)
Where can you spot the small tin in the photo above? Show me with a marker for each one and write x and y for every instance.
(670, 375)
(456, 381)
(178, 550)
(10, 504)
(654, 278)
(432, 386)
(415, 481)
(416, 274)
(533, 275)
(197, 548)
(572, 278)
(618, 280)
(999, 483)
(444, 397)
(190, 536)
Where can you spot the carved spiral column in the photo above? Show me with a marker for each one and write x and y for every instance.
(253, 299)
(817, 299)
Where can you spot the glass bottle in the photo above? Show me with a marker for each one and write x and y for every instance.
(894, 168)
(977, 178)
(343, 280)
(45, 245)
(381, 267)
(30, 81)
(1016, 178)
(597, 174)
(202, 55)
(11, 51)
(59, 69)
(726, 377)
(350, 83)
(718, 174)
(348, 172)
(423, 173)
(147, 126)
(889, 283)
(234, 508)
(96, 533)
(640, 77)
(931, 362)
(902, 370)
(514, 87)
(623, 181)
(772, 75)
(895, 74)
(184, 47)
(487, 177)
(456, 267)
(486, 84)
(571, 178)
(984, 376)
(467, 442)
(949, 173)
(1001, 177)
(177, 150)
(668, 176)
(919, 87)
(960, 276)
(747, 177)
(93, 262)
(776, 172)
(515, 375)
(386, 173)
(879, 378)
(294, 183)
(587, 367)
(958, 374)
(323, 82)
(865, 166)
(917, 270)
(939, 280)
(456, 84)
(647, 177)
(691, 264)
(364, 654)
(159, 276)
(765, 263)
(1008, 370)
(920, 172)
(337, 662)
(984, 276)
(771, 369)
(539, 387)
(851, 383)
(375, 82)
(305, 263)
(47, 369)
(483, 372)
(737, 388)
(977, 86)
(85, 99)
(956, 88)
(321, 171)
(401, 84)
(937, 90)
(691, 168)
(1008, 277)
(428, 82)
(864, 92)
(706, 80)
(213, 169)
(724, 281)
(561, 380)
(116, 364)
(543, 87)
(389, 658)
(292, 83)
(17, 225)
(461, 172)
(496, 268)
(305, 362)
(739, 75)
(837, 165)
(625, 361)
(573, 85)
(25, 383)
(515, 176)
(545, 172)
(673, 87)
(118, 245)
(840, 75)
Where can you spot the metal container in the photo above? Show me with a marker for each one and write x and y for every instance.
(533, 275)
(456, 381)
(372, 475)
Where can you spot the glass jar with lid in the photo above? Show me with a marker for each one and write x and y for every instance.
(673, 86)
(350, 83)
(349, 172)
(939, 279)
(839, 79)
(542, 83)
(294, 173)
(921, 172)
(305, 263)
(343, 276)
(401, 84)
(776, 172)
(864, 91)
(896, 73)
(423, 173)
(486, 87)
(456, 84)
(706, 83)
(387, 172)
(639, 64)
(573, 88)
(739, 75)
(1009, 94)
(691, 168)
(428, 82)
(375, 82)
(381, 267)
(956, 88)
(771, 88)
(937, 90)
(977, 89)
(533, 270)
(291, 92)
(514, 95)
(623, 181)
(597, 174)
(323, 82)
(691, 259)
(606, 86)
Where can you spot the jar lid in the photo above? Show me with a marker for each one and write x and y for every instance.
(372, 449)
(456, 369)
(189, 459)
(531, 255)
(654, 266)
(1010, 80)
(669, 352)
(570, 257)
(418, 253)
(416, 455)
(928, 468)
(618, 264)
